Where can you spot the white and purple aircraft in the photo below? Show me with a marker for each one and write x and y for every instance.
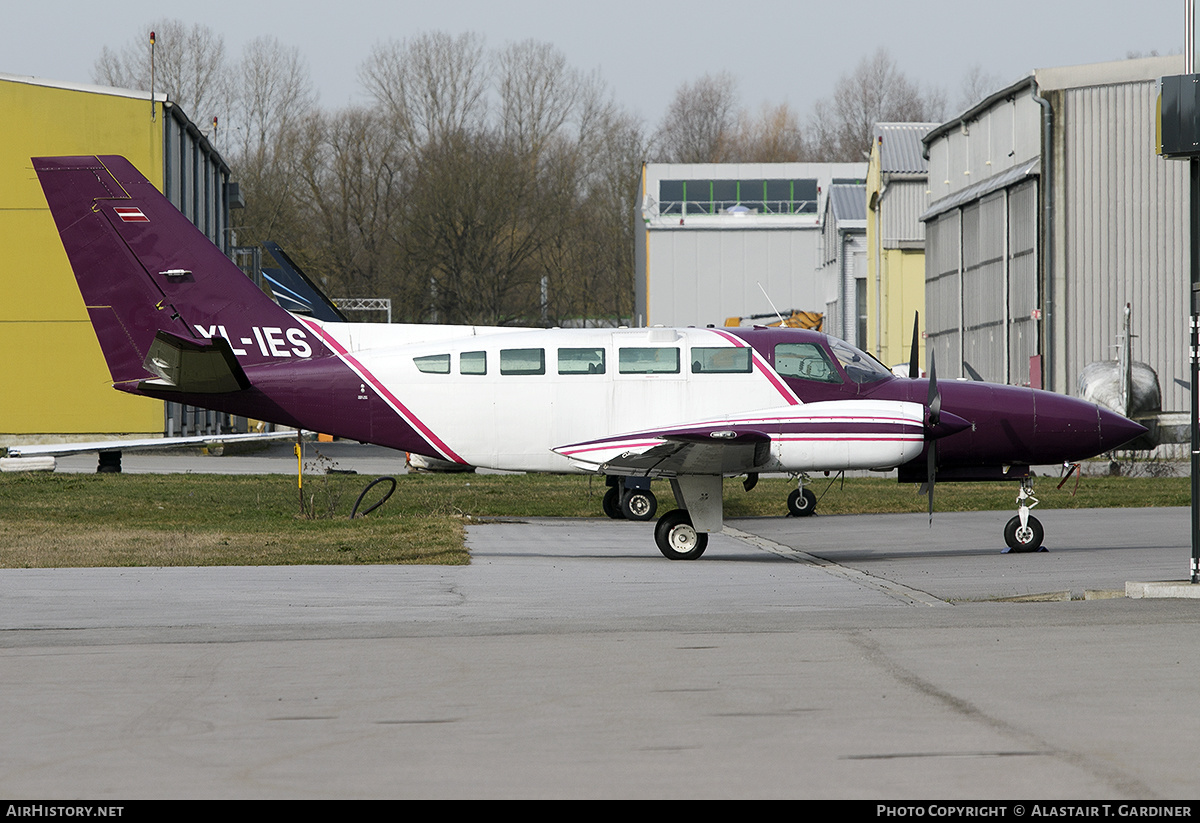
(177, 320)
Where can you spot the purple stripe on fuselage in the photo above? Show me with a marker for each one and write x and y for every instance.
(341, 352)
(830, 430)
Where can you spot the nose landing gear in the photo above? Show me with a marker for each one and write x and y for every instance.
(1024, 533)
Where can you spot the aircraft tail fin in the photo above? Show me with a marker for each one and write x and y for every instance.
(144, 270)
(291, 285)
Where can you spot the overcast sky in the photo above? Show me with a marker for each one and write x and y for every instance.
(790, 52)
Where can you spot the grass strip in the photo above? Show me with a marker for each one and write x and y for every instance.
(72, 520)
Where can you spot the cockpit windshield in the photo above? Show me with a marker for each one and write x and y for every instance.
(859, 366)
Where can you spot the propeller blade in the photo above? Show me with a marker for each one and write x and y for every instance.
(930, 475)
(914, 364)
(971, 373)
(934, 416)
(935, 397)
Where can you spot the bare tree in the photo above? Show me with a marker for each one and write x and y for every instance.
(472, 222)
(481, 187)
(976, 84)
(349, 163)
(272, 96)
(774, 136)
(538, 94)
(432, 86)
(500, 160)
(700, 123)
(875, 92)
(271, 91)
(600, 278)
(189, 65)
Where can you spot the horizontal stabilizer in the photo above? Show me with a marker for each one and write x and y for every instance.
(194, 366)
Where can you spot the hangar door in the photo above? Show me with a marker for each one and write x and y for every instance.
(981, 286)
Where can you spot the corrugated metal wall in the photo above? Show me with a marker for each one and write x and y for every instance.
(1125, 236)
(1119, 235)
(942, 292)
(983, 289)
(988, 299)
(195, 179)
(1022, 279)
(906, 202)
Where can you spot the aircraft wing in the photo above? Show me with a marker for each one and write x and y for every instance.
(833, 435)
(704, 450)
(143, 444)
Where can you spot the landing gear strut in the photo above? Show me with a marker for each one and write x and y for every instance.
(1024, 533)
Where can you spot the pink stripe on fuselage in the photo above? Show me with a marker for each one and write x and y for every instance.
(761, 365)
(377, 384)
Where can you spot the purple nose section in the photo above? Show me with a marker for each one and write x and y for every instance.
(1116, 430)
(948, 424)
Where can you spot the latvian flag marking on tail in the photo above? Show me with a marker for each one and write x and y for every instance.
(131, 214)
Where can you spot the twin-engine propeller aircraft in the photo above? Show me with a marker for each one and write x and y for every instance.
(178, 320)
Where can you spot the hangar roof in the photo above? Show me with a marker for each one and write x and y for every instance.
(900, 147)
(160, 97)
(848, 205)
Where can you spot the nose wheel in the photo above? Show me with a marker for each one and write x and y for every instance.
(1024, 538)
(1024, 533)
(801, 503)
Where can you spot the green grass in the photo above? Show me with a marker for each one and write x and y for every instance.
(59, 520)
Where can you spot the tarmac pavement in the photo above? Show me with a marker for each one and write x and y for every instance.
(841, 657)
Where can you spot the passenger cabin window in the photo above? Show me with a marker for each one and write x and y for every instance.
(807, 361)
(648, 360)
(581, 361)
(472, 362)
(722, 360)
(433, 363)
(522, 361)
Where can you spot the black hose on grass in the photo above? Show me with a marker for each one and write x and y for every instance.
(354, 513)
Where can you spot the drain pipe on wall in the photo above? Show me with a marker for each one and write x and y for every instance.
(1048, 222)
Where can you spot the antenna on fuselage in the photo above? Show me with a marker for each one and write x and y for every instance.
(771, 302)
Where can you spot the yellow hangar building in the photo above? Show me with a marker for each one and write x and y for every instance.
(897, 195)
(57, 386)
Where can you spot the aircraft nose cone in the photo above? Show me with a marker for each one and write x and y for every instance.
(1117, 430)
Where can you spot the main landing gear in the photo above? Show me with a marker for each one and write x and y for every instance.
(677, 538)
(1024, 533)
(629, 498)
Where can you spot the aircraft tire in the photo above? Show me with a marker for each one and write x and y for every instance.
(612, 503)
(1028, 541)
(677, 539)
(639, 504)
(801, 503)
